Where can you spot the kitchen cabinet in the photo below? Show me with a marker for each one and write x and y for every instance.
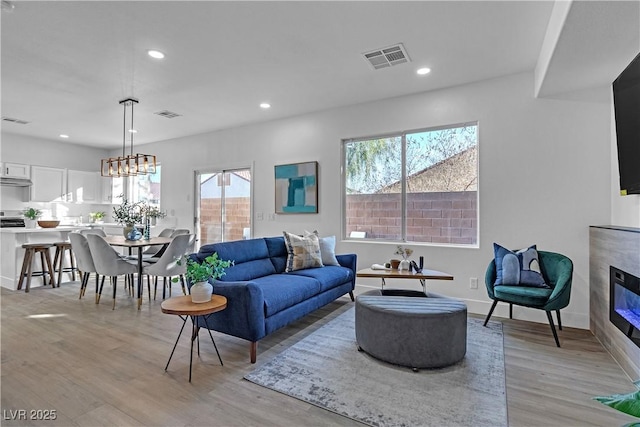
(15, 170)
(106, 187)
(84, 187)
(49, 184)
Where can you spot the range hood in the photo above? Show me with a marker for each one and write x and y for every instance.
(15, 182)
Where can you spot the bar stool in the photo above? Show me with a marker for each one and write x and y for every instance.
(31, 249)
(58, 261)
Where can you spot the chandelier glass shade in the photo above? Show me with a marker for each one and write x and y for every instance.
(128, 164)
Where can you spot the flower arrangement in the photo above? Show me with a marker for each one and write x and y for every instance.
(211, 267)
(404, 252)
(32, 213)
(154, 212)
(128, 213)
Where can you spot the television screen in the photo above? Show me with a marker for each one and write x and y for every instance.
(626, 101)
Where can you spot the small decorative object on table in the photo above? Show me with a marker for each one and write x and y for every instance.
(31, 215)
(129, 214)
(212, 268)
(406, 253)
(96, 217)
(154, 213)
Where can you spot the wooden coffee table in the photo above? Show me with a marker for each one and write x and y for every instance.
(405, 274)
(183, 307)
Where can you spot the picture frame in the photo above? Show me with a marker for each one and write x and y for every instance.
(296, 188)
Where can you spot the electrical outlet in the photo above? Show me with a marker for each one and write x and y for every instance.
(272, 217)
(473, 283)
(260, 216)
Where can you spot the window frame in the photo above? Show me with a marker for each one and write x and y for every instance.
(403, 135)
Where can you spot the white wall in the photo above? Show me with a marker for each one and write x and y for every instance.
(544, 175)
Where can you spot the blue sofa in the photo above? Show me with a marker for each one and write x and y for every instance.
(262, 297)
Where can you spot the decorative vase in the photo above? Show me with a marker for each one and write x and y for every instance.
(131, 233)
(147, 228)
(404, 265)
(201, 292)
(395, 263)
(29, 223)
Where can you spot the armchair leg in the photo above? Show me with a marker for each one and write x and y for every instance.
(493, 306)
(559, 321)
(253, 351)
(553, 328)
(510, 311)
(351, 295)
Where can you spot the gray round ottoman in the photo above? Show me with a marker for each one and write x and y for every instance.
(412, 331)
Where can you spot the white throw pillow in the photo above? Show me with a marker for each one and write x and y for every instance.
(303, 252)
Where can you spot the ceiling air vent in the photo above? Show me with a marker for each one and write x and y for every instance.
(12, 120)
(168, 114)
(387, 57)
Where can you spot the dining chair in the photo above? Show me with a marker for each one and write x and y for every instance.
(109, 263)
(84, 261)
(98, 231)
(153, 250)
(167, 265)
(179, 232)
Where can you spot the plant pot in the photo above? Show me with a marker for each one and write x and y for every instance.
(131, 232)
(29, 223)
(395, 263)
(201, 292)
(404, 265)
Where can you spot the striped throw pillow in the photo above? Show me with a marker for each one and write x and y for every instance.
(303, 252)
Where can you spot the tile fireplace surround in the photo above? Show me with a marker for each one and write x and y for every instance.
(618, 247)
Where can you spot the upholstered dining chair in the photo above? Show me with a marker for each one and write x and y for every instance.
(167, 265)
(109, 263)
(98, 231)
(153, 250)
(557, 271)
(80, 248)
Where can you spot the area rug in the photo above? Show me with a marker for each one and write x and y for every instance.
(326, 369)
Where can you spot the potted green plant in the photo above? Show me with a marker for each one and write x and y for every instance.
(628, 403)
(31, 215)
(129, 214)
(199, 274)
(97, 216)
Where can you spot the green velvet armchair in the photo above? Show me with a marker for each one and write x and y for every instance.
(557, 271)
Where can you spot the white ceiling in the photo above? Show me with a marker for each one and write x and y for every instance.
(65, 65)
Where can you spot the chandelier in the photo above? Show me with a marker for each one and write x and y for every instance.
(131, 164)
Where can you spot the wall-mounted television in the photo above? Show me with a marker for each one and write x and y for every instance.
(626, 104)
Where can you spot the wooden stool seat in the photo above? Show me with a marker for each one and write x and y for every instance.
(58, 260)
(31, 249)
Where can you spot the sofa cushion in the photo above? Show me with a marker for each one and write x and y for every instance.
(329, 277)
(281, 291)
(518, 268)
(277, 252)
(250, 257)
(523, 295)
(304, 252)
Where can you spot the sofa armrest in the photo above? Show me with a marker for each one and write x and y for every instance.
(349, 261)
(244, 315)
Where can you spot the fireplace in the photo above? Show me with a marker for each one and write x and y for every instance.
(624, 303)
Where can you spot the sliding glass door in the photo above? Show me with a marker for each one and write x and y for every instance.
(223, 205)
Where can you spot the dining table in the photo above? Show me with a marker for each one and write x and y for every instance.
(120, 241)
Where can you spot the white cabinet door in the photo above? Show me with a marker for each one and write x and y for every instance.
(49, 184)
(15, 170)
(83, 187)
(106, 184)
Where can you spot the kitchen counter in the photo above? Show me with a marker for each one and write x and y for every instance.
(11, 241)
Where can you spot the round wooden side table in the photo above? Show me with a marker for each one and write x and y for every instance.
(184, 308)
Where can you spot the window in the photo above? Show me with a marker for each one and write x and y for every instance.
(419, 186)
(139, 188)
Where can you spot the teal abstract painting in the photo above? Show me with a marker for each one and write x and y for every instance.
(297, 188)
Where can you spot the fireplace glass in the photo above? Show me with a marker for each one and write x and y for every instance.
(624, 300)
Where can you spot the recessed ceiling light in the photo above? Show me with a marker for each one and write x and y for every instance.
(423, 71)
(265, 105)
(62, 135)
(155, 54)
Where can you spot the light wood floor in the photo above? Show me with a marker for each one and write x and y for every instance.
(98, 367)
